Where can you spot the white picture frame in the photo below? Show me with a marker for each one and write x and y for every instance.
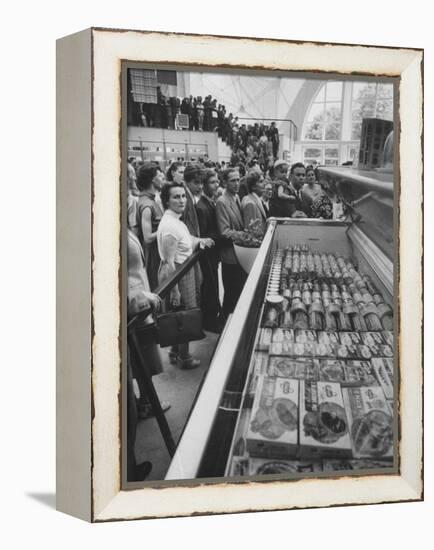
(89, 313)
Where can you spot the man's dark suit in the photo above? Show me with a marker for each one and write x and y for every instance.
(189, 216)
(229, 222)
(206, 215)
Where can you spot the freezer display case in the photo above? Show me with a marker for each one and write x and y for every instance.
(302, 381)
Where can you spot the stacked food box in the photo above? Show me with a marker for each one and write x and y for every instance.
(320, 396)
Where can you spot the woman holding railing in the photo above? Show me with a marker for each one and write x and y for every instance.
(175, 246)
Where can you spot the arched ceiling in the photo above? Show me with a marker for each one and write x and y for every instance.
(245, 96)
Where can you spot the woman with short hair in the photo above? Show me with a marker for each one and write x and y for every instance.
(175, 172)
(149, 212)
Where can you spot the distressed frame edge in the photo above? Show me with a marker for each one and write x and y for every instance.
(73, 275)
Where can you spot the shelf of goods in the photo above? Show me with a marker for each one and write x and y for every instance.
(302, 379)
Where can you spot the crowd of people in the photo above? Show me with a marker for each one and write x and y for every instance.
(208, 206)
(247, 141)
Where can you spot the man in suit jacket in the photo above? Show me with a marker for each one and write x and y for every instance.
(266, 196)
(230, 225)
(251, 206)
(209, 261)
(193, 191)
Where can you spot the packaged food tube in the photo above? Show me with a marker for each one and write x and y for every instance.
(341, 262)
(357, 298)
(367, 298)
(378, 299)
(360, 284)
(330, 321)
(285, 304)
(332, 312)
(307, 297)
(385, 313)
(346, 277)
(288, 262)
(286, 319)
(344, 321)
(316, 296)
(370, 315)
(346, 296)
(299, 314)
(316, 316)
(369, 284)
(325, 295)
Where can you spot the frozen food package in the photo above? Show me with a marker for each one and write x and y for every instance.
(323, 423)
(264, 340)
(372, 338)
(282, 335)
(305, 336)
(273, 428)
(383, 368)
(359, 373)
(370, 421)
(388, 337)
(328, 337)
(301, 368)
(351, 465)
(260, 362)
(323, 350)
(349, 338)
(331, 370)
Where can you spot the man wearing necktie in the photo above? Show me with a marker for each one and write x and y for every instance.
(230, 225)
(266, 196)
(298, 179)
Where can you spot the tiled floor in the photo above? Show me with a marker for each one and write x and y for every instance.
(179, 387)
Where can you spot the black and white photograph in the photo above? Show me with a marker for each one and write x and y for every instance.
(260, 238)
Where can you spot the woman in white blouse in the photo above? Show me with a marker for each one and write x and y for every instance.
(175, 245)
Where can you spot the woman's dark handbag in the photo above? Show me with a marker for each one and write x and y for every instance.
(180, 327)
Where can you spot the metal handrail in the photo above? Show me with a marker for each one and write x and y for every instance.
(165, 287)
(367, 182)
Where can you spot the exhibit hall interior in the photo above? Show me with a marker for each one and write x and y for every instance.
(260, 284)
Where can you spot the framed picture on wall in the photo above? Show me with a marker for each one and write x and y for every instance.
(239, 274)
